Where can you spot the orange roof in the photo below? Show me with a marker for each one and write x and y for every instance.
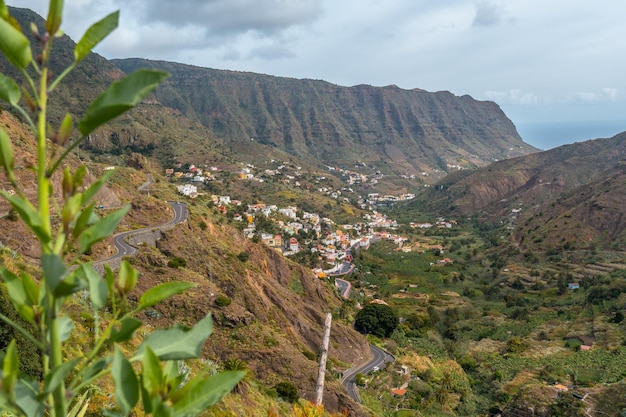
(398, 391)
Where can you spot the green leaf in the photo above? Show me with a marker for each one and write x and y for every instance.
(55, 16)
(70, 209)
(65, 130)
(57, 375)
(101, 229)
(178, 342)
(71, 284)
(173, 377)
(126, 385)
(54, 270)
(14, 45)
(127, 278)
(67, 184)
(6, 152)
(109, 278)
(10, 369)
(201, 393)
(95, 368)
(30, 216)
(19, 293)
(162, 410)
(85, 276)
(121, 96)
(31, 288)
(79, 175)
(26, 397)
(161, 292)
(66, 325)
(98, 291)
(7, 160)
(93, 189)
(84, 219)
(9, 90)
(152, 375)
(94, 35)
(125, 331)
(149, 402)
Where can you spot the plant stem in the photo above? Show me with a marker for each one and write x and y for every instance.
(55, 355)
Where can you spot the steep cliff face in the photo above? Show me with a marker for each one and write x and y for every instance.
(409, 131)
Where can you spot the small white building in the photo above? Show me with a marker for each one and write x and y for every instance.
(189, 190)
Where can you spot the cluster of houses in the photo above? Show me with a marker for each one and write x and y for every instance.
(289, 173)
(441, 223)
(353, 177)
(333, 244)
(376, 198)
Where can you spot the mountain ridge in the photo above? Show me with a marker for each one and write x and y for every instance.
(407, 130)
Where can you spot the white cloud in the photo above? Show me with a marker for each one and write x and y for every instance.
(604, 95)
(555, 54)
(513, 96)
(222, 17)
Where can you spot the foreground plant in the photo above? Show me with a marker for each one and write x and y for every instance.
(148, 376)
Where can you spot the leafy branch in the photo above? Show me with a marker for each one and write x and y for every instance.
(40, 300)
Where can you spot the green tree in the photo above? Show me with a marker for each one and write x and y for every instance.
(41, 299)
(222, 301)
(377, 319)
(287, 391)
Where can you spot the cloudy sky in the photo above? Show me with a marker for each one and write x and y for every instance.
(544, 62)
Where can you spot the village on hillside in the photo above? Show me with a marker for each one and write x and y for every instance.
(291, 230)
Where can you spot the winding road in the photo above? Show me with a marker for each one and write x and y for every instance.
(344, 287)
(380, 357)
(126, 249)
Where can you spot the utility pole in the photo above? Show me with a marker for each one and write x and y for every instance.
(321, 372)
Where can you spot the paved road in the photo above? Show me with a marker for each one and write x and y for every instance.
(146, 184)
(344, 287)
(125, 249)
(344, 269)
(379, 358)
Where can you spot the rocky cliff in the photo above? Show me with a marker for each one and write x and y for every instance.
(399, 131)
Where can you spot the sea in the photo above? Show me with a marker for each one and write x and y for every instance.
(548, 135)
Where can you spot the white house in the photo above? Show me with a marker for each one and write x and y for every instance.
(188, 189)
(293, 245)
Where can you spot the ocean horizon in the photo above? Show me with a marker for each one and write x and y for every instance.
(548, 135)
